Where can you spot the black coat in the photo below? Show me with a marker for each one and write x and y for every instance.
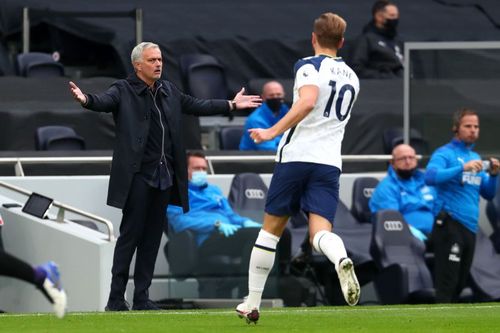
(131, 107)
(374, 55)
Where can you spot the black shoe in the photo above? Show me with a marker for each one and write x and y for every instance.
(119, 305)
(147, 305)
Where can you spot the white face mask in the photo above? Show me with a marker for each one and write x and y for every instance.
(199, 178)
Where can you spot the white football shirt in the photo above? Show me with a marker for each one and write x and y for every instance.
(318, 137)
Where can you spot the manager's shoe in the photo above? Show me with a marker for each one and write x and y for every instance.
(148, 305)
(117, 305)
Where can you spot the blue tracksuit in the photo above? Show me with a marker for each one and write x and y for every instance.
(207, 205)
(412, 197)
(262, 117)
(459, 190)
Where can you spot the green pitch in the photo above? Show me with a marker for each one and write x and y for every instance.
(470, 318)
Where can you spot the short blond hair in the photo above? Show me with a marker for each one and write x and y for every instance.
(329, 29)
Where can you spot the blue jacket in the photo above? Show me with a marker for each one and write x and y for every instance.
(459, 190)
(411, 197)
(207, 205)
(262, 117)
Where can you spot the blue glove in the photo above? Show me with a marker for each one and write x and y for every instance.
(227, 229)
(251, 224)
(417, 233)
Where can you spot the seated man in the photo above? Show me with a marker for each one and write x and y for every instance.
(219, 230)
(404, 190)
(265, 116)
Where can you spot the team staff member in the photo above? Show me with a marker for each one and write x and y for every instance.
(458, 175)
(149, 163)
(404, 190)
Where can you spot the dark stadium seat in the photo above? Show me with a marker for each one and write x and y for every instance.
(362, 190)
(394, 136)
(202, 76)
(58, 138)
(403, 274)
(493, 213)
(37, 64)
(485, 270)
(247, 195)
(230, 137)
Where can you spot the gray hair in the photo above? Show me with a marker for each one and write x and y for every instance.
(136, 55)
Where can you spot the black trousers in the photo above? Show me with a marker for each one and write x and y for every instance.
(141, 228)
(453, 253)
(16, 268)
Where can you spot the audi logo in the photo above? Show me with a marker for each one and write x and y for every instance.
(254, 193)
(393, 225)
(367, 192)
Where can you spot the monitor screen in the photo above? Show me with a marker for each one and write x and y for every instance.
(37, 205)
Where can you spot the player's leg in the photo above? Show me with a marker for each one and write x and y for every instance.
(283, 199)
(331, 245)
(261, 263)
(320, 200)
(45, 277)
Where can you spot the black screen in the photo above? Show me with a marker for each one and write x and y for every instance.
(37, 205)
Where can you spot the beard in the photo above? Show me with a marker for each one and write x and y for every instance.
(405, 174)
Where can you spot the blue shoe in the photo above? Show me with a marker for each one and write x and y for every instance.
(52, 288)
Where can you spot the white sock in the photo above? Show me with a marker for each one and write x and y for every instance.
(261, 263)
(331, 245)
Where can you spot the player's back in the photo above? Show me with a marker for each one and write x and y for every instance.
(318, 137)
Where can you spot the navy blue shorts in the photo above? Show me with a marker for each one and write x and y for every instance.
(311, 187)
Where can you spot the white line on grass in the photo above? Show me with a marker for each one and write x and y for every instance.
(265, 310)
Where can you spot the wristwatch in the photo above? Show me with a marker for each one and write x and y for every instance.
(217, 224)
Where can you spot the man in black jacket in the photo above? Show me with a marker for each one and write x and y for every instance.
(149, 169)
(377, 53)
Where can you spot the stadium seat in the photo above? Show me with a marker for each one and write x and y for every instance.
(58, 138)
(394, 136)
(362, 190)
(493, 213)
(485, 270)
(37, 64)
(181, 266)
(247, 195)
(230, 137)
(202, 76)
(403, 274)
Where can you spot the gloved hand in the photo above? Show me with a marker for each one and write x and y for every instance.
(417, 233)
(251, 224)
(227, 229)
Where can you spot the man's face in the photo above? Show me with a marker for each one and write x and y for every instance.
(404, 158)
(196, 164)
(149, 69)
(390, 12)
(468, 130)
(273, 90)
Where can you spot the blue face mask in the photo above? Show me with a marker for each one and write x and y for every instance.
(199, 178)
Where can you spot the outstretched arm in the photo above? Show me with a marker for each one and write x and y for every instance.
(308, 95)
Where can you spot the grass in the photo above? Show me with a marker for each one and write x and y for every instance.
(470, 318)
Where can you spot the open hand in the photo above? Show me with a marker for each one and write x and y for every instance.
(246, 101)
(77, 93)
